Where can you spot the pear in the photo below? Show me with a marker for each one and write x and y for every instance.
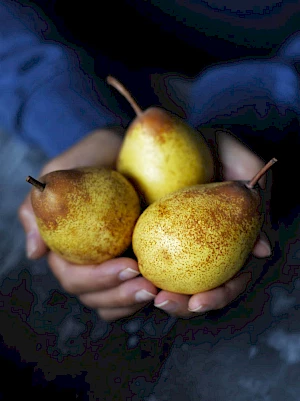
(197, 238)
(85, 215)
(161, 153)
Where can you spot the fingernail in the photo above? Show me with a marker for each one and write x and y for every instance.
(143, 296)
(168, 306)
(31, 243)
(200, 308)
(127, 274)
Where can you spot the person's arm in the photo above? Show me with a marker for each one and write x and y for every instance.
(45, 96)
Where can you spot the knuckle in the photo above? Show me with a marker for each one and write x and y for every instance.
(105, 314)
(21, 212)
(232, 288)
(67, 281)
(230, 295)
(123, 298)
(87, 301)
(224, 303)
(110, 315)
(69, 285)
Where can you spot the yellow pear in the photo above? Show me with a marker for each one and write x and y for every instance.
(85, 215)
(161, 153)
(197, 238)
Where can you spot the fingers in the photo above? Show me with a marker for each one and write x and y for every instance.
(112, 288)
(262, 248)
(126, 294)
(111, 314)
(187, 306)
(219, 297)
(238, 162)
(172, 303)
(115, 290)
(77, 279)
(35, 246)
(100, 147)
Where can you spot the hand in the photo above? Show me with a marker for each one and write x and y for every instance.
(108, 287)
(113, 288)
(237, 162)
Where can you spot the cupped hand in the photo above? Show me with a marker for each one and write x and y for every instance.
(115, 288)
(237, 162)
(109, 287)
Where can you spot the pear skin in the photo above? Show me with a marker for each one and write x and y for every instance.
(197, 238)
(161, 153)
(85, 215)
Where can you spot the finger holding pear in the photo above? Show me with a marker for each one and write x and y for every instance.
(101, 286)
(237, 163)
(86, 215)
(112, 297)
(197, 238)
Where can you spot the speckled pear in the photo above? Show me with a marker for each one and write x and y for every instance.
(85, 215)
(197, 238)
(161, 153)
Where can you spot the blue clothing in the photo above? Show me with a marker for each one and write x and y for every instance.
(45, 97)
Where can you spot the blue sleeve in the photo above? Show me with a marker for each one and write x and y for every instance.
(45, 97)
(256, 98)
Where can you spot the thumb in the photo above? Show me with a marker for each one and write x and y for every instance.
(35, 246)
(238, 162)
(100, 147)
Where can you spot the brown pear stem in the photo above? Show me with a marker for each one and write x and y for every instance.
(39, 185)
(251, 184)
(121, 88)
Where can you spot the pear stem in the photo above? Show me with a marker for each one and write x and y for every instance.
(39, 185)
(251, 184)
(121, 88)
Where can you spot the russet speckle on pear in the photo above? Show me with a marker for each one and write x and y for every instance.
(86, 215)
(197, 238)
(161, 153)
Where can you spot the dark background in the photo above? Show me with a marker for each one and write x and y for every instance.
(114, 38)
(132, 39)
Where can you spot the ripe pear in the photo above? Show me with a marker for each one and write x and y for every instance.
(197, 238)
(86, 215)
(161, 153)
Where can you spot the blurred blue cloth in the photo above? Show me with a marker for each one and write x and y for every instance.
(48, 100)
(45, 97)
(261, 93)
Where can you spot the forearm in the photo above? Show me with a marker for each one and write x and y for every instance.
(45, 97)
